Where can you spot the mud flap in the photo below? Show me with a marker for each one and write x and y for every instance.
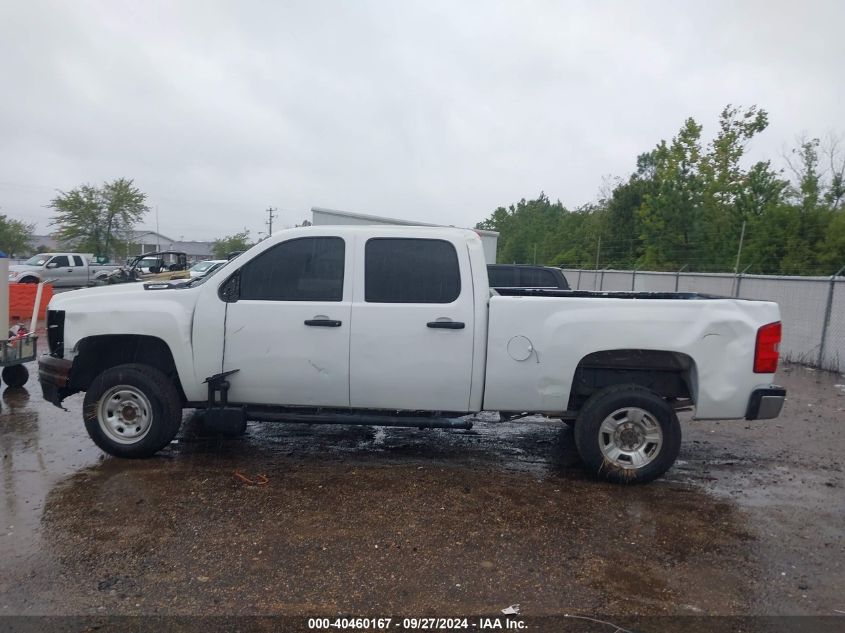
(225, 420)
(219, 417)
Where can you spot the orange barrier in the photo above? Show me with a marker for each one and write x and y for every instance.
(22, 301)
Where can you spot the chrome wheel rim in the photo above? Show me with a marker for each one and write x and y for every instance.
(124, 414)
(630, 438)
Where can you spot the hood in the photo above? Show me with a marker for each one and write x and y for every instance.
(20, 268)
(117, 296)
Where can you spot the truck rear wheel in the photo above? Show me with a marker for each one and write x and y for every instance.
(132, 410)
(627, 434)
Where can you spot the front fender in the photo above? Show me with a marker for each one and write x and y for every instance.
(130, 310)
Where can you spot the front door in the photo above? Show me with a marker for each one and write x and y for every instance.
(60, 269)
(412, 325)
(287, 330)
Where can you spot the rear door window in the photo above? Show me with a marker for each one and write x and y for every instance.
(411, 270)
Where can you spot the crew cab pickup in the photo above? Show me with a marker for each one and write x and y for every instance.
(62, 269)
(398, 326)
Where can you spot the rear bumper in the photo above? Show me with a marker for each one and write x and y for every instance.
(765, 403)
(54, 376)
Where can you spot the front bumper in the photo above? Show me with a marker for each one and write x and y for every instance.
(54, 376)
(765, 403)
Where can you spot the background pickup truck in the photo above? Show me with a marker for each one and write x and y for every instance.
(398, 326)
(64, 269)
(525, 276)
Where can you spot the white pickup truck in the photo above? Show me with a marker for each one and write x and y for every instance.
(62, 269)
(398, 326)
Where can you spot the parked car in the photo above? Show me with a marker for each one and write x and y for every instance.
(396, 326)
(525, 276)
(63, 269)
(206, 267)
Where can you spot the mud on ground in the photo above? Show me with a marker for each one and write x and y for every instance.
(369, 521)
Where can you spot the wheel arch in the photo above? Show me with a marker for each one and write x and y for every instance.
(95, 354)
(670, 374)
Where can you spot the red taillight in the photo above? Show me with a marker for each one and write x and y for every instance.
(766, 351)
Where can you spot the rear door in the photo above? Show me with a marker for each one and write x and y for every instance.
(80, 271)
(412, 325)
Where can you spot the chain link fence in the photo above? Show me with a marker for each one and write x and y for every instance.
(812, 308)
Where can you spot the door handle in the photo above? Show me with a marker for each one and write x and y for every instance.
(323, 323)
(446, 325)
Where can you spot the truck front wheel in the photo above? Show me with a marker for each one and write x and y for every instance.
(15, 375)
(132, 410)
(627, 434)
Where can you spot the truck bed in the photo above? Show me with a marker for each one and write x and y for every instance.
(538, 338)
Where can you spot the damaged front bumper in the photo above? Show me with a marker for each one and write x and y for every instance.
(765, 403)
(54, 376)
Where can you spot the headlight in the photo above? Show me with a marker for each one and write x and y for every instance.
(13, 274)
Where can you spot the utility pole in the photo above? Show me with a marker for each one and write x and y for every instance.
(270, 216)
(158, 244)
(739, 250)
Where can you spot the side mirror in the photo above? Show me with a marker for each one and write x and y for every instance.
(52, 265)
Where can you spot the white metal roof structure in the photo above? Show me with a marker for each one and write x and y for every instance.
(321, 217)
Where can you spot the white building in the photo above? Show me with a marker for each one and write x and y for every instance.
(489, 239)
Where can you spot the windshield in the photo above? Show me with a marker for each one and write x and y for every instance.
(37, 260)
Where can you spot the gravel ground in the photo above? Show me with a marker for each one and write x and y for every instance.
(369, 521)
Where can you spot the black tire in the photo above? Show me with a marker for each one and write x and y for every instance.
(593, 442)
(144, 389)
(29, 280)
(15, 376)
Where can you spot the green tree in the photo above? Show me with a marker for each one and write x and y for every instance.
(225, 245)
(811, 210)
(89, 218)
(670, 215)
(832, 249)
(686, 204)
(724, 183)
(15, 236)
(761, 203)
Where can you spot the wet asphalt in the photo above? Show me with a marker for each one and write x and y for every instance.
(325, 520)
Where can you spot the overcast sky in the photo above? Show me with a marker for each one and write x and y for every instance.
(431, 111)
